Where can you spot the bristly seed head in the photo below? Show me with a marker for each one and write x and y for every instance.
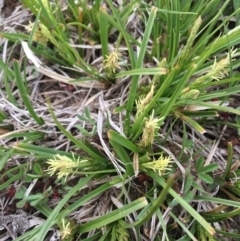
(112, 61)
(38, 36)
(219, 69)
(142, 102)
(149, 130)
(62, 165)
(66, 230)
(160, 165)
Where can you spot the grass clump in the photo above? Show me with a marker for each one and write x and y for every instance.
(117, 118)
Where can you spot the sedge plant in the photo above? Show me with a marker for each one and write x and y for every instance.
(124, 154)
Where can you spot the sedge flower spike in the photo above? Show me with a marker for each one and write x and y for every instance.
(144, 101)
(149, 130)
(196, 25)
(160, 165)
(219, 69)
(112, 61)
(38, 36)
(66, 230)
(62, 165)
(191, 94)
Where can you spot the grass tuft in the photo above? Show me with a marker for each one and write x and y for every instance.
(119, 120)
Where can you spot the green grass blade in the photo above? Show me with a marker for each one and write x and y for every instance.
(142, 71)
(191, 122)
(139, 63)
(90, 150)
(30, 40)
(114, 215)
(103, 24)
(184, 204)
(236, 4)
(157, 203)
(24, 93)
(173, 29)
(53, 216)
(13, 177)
(92, 194)
(123, 31)
(15, 37)
(183, 227)
(123, 156)
(30, 235)
(229, 160)
(121, 140)
(229, 234)
(222, 201)
(211, 105)
(8, 77)
(5, 158)
(41, 152)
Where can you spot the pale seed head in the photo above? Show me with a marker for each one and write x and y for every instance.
(112, 61)
(62, 165)
(160, 165)
(149, 130)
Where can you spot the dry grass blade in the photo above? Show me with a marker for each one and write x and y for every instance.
(50, 73)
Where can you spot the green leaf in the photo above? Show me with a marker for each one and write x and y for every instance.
(5, 158)
(41, 152)
(123, 141)
(188, 184)
(83, 131)
(114, 215)
(236, 4)
(139, 64)
(24, 94)
(218, 217)
(142, 71)
(230, 234)
(191, 122)
(21, 204)
(205, 177)
(33, 197)
(229, 160)
(14, 36)
(199, 163)
(3, 116)
(219, 181)
(208, 198)
(103, 24)
(189, 196)
(209, 168)
(20, 193)
(8, 77)
(96, 192)
(38, 169)
(123, 156)
(33, 176)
